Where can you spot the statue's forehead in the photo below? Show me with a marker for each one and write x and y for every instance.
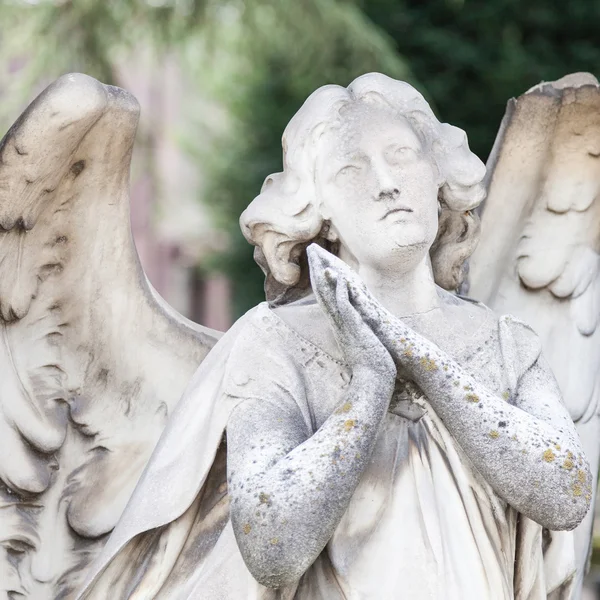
(365, 121)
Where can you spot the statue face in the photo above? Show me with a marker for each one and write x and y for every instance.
(378, 189)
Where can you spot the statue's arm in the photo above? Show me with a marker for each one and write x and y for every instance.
(289, 489)
(528, 451)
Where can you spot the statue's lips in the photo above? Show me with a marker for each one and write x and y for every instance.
(393, 211)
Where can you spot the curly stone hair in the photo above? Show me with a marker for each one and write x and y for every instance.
(286, 217)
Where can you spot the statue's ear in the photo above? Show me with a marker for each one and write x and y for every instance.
(316, 132)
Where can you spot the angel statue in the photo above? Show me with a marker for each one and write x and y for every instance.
(365, 433)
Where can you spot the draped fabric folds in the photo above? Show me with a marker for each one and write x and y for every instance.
(422, 524)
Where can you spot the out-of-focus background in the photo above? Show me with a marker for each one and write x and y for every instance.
(218, 81)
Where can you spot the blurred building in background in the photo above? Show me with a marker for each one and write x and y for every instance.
(173, 231)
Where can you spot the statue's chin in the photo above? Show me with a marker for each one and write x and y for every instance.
(400, 256)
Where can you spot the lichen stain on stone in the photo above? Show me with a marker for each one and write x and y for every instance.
(549, 456)
(408, 353)
(577, 491)
(428, 364)
(581, 476)
(349, 425)
(494, 434)
(472, 397)
(247, 528)
(275, 541)
(568, 464)
(264, 498)
(344, 408)
(506, 395)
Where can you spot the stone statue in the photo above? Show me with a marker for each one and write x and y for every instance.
(539, 256)
(92, 361)
(365, 433)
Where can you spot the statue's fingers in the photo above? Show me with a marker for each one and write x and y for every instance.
(324, 283)
(351, 318)
(365, 304)
(318, 256)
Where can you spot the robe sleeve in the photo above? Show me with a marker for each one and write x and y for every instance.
(545, 560)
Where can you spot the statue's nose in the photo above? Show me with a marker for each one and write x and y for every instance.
(388, 194)
(388, 186)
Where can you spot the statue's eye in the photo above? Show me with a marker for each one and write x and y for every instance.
(403, 154)
(17, 547)
(347, 172)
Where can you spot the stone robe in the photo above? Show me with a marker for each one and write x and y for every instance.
(422, 524)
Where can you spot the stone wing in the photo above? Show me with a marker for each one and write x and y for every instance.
(92, 361)
(539, 254)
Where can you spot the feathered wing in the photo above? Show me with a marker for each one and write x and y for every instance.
(91, 360)
(539, 254)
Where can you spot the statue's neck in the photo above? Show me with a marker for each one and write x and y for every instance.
(403, 293)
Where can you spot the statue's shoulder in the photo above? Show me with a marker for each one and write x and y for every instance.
(293, 330)
(518, 341)
(483, 314)
(306, 319)
(471, 314)
(273, 349)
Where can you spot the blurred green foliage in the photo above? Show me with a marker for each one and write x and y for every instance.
(471, 56)
(261, 58)
(90, 36)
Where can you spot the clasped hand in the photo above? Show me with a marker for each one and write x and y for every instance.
(370, 337)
